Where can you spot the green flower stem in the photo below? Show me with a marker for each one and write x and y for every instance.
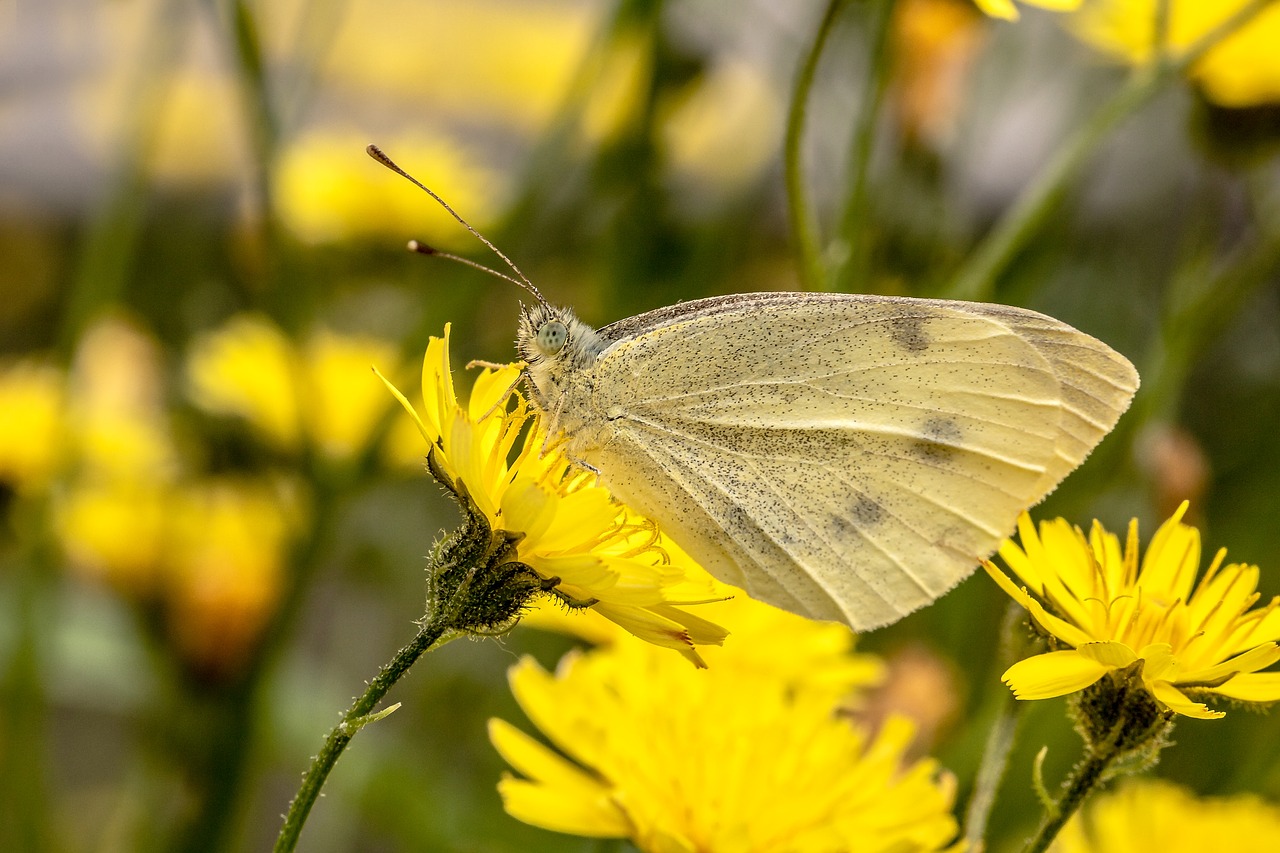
(1124, 729)
(356, 717)
(25, 822)
(799, 209)
(976, 279)
(850, 269)
(1001, 737)
(1086, 775)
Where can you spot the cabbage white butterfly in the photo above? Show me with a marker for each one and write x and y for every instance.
(842, 456)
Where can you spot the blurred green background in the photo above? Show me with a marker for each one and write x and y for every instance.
(214, 522)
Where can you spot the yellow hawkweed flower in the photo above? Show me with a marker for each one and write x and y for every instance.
(1112, 611)
(114, 531)
(1242, 70)
(1158, 815)
(32, 416)
(324, 393)
(1007, 10)
(751, 754)
(328, 190)
(227, 546)
(117, 406)
(572, 529)
(248, 368)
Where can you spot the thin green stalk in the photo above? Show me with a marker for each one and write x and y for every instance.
(356, 717)
(976, 279)
(1001, 737)
(849, 272)
(25, 822)
(804, 225)
(1086, 776)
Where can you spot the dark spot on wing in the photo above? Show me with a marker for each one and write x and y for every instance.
(939, 437)
(865, 512)
(909, 333)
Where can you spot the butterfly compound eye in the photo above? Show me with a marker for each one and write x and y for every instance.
(552, 337)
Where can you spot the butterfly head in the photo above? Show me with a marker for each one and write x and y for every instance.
(554, 345)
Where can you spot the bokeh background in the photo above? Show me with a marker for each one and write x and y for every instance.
(214, 520)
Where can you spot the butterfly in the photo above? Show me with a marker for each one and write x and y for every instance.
(842, 456)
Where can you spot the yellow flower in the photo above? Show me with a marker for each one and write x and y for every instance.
(32, 441)
(328, 190)
(721, 130)
(227, 545)
(115, 531)
(1158, 815)
(751, 754)
(248, 368)
(1112, 611)
(1242, 70)
(572, 529)
(324, 393)
(117, 408)
(342, 400)
(1007, 10)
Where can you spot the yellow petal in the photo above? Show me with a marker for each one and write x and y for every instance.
(1252, 687)
(999, 9)
(1060, 628)
(1251, 661)
(549, 808)
(1110, 654)
(1178, 702)
(1052, 674)
(535, 761)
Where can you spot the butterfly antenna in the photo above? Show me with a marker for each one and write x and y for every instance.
(423, 249)
(523, 281)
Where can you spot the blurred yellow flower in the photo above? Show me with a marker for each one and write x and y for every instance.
(752, 754)
(498, 61)
(342, 399)
(114, 531)
(1158, 815)
(724, 128)
(328, 190)
(32, 424)
(325, 394)
(934, 45)
(1243, 70)
(1007, 10)
(1112, 611)
(248, 368)
(117, 405)
(226, 550)
(200, 133)
(573, 531)
(618, 77)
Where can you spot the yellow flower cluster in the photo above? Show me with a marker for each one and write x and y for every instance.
(572, 529)
(1112, 609)
(209, 552)
(1242, 70)
(32, 439)
(751, 754)
(326, 190)
(320, 393)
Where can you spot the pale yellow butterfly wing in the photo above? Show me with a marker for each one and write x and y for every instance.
(845, 457)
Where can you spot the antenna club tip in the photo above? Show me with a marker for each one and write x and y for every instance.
(421, 248)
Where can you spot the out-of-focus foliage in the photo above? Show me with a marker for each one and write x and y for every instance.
(213, 516)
